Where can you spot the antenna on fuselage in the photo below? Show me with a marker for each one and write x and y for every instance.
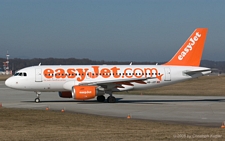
(130, 63)
(39, 64)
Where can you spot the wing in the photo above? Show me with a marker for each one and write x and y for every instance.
(109, 84)
(114, 81)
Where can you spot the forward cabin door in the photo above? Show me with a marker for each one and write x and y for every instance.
(38, 76)
(167, 74)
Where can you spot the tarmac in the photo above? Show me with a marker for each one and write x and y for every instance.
(196, 110)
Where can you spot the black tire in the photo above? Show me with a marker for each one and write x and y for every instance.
(111, 99)
(101, 98)
(37, 100)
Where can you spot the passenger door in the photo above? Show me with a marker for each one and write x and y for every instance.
(38, 75)
(167, 74)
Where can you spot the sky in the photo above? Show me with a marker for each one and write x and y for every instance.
(111, 30)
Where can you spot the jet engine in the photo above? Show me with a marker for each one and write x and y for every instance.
(82, 92)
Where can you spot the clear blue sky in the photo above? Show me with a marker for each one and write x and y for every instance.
(112, 30)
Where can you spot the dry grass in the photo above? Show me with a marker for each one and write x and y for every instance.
(20, 124)
(4, 77)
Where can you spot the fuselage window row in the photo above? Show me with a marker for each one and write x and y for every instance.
(109, 74)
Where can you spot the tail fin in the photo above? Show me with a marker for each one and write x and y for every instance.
(190, 53)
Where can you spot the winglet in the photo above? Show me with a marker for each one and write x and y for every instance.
(190, 53)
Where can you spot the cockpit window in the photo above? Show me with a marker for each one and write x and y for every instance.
(16, 74)
(20, 74)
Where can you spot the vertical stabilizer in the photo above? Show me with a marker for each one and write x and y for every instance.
(190, 53)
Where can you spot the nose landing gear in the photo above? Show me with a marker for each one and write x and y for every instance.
(37, 99)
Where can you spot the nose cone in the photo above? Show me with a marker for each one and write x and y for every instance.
(8, 82)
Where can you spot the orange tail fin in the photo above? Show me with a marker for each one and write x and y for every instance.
(190, 53)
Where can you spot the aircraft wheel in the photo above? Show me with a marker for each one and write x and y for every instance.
(37, 100)
(101, 98)
(111, 99)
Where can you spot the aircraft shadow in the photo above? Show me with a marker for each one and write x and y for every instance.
(121, 100)
(168, 101)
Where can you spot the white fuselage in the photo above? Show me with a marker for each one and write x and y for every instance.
(62, 78)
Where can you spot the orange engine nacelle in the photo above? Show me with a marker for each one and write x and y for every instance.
(82, 92)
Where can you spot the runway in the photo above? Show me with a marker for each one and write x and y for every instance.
(197, 110)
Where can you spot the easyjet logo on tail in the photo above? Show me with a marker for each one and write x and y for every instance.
(190, 45)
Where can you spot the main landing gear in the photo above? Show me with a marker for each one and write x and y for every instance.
(101, 98)
(37, 99)
(110, 99)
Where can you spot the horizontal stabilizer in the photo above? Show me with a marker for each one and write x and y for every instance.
(208, 70)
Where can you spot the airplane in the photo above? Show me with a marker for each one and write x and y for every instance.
(83, 82)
